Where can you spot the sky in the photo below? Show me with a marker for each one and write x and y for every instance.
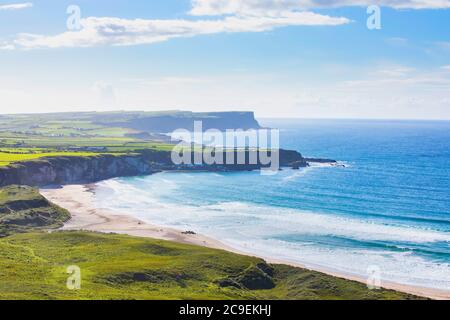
(278, 58)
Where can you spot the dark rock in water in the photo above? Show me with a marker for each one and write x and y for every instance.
(299, 164)
(290, 157)
(318, 160)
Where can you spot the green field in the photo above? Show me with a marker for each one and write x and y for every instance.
(11, 157)
(17, 148)
(29, 137)
(34, 266)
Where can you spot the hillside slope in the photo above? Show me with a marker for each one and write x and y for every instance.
(34, 266)
(23, 209)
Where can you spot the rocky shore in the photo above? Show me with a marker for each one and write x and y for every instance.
(82, 170)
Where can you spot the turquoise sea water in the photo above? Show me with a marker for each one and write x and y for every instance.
(389, 208)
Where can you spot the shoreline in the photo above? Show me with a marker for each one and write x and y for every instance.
(78, 200)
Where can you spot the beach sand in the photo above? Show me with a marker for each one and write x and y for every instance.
(78, 200)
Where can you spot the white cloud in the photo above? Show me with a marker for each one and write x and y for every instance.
(258, 7)
(16, 6)
(125, 32)
(236, 16)
(6, 46)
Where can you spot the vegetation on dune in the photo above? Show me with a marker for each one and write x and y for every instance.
(23, 209)
(34, 266)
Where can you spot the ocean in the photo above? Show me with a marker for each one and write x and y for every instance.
(388, 209)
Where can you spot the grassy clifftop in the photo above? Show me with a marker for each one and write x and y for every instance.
(23, 208)
(121, 267)
(121, 123)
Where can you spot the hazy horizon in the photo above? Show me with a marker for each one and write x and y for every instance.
(156, 110)
(280, 59)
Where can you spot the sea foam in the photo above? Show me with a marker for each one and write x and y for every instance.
(317, 240)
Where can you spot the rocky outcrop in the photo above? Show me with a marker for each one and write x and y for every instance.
(319, 160)
(69, 170)
(76, 170)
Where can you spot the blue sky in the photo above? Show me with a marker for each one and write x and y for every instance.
(288, 58)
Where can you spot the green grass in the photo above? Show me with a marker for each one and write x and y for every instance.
(34, 265)
(28, 137)
(40, 125)
(9, 140)
(8, 158)
(9, 155)
(23, 209)
(52, 142)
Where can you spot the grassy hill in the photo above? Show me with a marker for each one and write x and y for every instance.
(34, 266)
(23, 209)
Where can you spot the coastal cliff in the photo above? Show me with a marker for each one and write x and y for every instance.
(75, 170)
(69, 170)
(185, 120)
(130, 122)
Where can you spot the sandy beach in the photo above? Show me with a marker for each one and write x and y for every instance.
(78, 200)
